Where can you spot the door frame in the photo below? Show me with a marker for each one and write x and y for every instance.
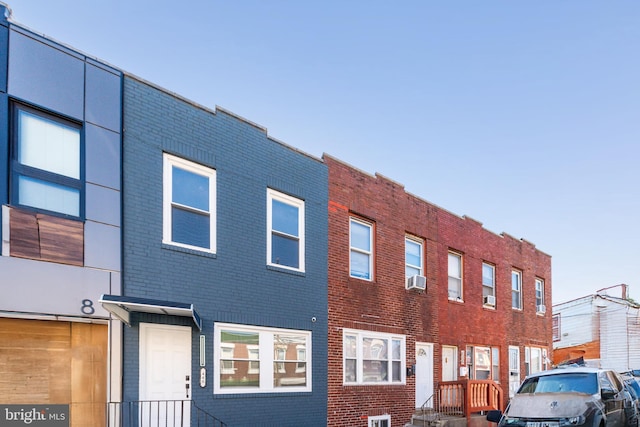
(429, 372)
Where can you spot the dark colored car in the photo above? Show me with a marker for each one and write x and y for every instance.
(633, 411)
(568, 396)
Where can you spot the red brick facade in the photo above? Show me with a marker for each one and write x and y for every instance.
(384, 305)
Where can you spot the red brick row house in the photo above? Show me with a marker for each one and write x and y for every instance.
(420, 298)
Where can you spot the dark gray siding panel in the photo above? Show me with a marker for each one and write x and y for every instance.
(103, 98)
(46, 75)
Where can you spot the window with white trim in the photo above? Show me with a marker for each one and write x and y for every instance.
(413, 257)
(488, 284)
(514, 370)
(47, 163)
(263, 360)
(540, 296)
(379, 421)
(516, 289)
(483, 363)
(533, 359)
(361, 249)
(555, 327)
(285, 234)
(189, 200)
(455, 275)
(373, 358)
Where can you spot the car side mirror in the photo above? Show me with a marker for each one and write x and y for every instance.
(494, 416)
(607, 394)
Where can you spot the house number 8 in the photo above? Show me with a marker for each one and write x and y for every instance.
(87, 307)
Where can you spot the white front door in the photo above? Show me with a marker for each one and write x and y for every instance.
(424, 374)
(449, 363)
(165, 374)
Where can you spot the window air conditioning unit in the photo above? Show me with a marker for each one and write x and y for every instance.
(542, 309)
(489, 300)
(417, 282)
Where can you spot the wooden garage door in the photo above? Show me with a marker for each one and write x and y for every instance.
(55, 362)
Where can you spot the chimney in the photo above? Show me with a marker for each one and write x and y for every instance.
(625, 291)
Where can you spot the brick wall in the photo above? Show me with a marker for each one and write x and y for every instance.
(234, 285)
(384, 305)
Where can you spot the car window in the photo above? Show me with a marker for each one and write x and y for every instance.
(561, 383)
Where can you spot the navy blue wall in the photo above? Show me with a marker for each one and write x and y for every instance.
(234, 285)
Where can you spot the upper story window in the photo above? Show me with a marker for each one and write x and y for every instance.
(285, 236)
(488, 284)
(251, 359)
(555, 326)
(373, 357)
(540, 307)
(47, 162)
(516, 289)
(455, 276)
(413, 257)
(361, 249)
(189, 204)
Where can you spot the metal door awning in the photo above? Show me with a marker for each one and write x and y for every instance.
(122, 306)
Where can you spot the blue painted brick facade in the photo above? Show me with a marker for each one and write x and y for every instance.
(235, 285)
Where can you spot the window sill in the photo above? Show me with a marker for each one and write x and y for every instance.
(285, 270)
(189, 251)
(489, 307)
(456, 300)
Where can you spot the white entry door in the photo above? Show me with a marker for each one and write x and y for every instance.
(165, 375)
(449, 363)
(424, 374)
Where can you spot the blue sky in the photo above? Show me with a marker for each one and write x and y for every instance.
(524, 115)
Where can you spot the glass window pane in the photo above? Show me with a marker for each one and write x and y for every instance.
(515, 281)
(48, 145)
(396, 374)
(413, 253)
(360, 236)
(454, 265)
(190, 189)
(287, 374)
(396, 350)
(285, 251)
(239, 337)
(350, 346)
(46, 195)
(374, 348)
(375, 371)
(244, 375)
(360, 266)
(284, 218)
(487, 275)
(190, 228)
(350, 370)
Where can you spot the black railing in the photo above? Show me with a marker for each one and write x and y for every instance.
(159, 413)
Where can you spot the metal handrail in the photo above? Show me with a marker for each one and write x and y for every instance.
(159, 413)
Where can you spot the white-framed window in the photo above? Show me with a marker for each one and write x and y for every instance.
(514, 370)
(533, 360)
(47, 162)
(540, 295)
(413, 256)
(379, 421)
(264, 360)
(483, 363)
(555, 327)
(495, 364)
(189, 204)
(516, 289)
(285, 234)
(373, 357)
(361, 249)
(455, 276)
(488, 284)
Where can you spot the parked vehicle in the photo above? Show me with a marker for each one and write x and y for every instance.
(568, 396)
(633, 412)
